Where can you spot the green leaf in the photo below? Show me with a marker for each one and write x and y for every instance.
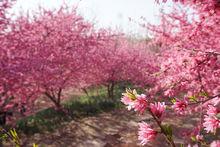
(14, 134)
(173, 100)
(35, 145)
(132, 94)
(193, 138)
(168, 130)
(204, 94)
(3, 136)
(193, 98)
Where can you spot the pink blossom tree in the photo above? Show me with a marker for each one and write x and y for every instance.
(118, 59)
(56, 45)
(12, 78)
(188, 80)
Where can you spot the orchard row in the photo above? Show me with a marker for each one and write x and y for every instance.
(54, 51)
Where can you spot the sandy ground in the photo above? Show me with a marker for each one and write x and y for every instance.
(113, 129)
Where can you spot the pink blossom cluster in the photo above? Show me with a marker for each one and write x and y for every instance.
(215, 143)
(190, 60)
(134, 101)
(189, 64)
(146, 133)
(211, 119)
(158, 108)
(180, 106)
(140, 104)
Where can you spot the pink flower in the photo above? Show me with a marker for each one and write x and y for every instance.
(146, 133)
(211, 111)
(169, 93)
(129, 97)
(215, 101)
(211, 123)
(127, 101)
(134, 101)
(180, 106)
(199, 137)
(8, 106)
(158, 108)
(140, 104)
(215, 143)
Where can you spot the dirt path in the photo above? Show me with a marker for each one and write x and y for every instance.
(107, 129)
(113, 129)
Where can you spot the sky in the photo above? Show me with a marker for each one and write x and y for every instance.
(105, 13)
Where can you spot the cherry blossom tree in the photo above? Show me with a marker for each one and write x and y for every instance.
(118, 59)
(188, 80)
(56, 45)
(11, 68)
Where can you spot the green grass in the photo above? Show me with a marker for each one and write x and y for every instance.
(78, 107)
(50, 119)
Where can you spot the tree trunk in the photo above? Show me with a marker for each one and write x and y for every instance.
(2, 118)
(111, 90)
(108, 90)
(86, 92)
(55, 100)
(97, 91)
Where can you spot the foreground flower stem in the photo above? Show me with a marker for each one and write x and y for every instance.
(168, 139)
